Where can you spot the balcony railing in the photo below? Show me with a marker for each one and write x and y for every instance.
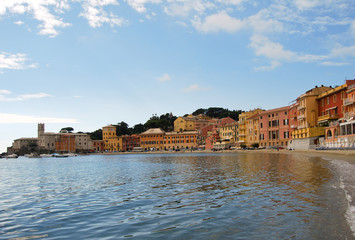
(349, 115)
(300, 116)
(348, 101)
(293, 126)
(328, 117)
(301, 107)
(301, 126)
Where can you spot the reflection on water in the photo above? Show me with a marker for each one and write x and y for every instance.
(193, 196)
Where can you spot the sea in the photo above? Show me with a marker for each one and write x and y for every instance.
(251, 195)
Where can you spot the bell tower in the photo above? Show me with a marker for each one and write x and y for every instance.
(40, 129)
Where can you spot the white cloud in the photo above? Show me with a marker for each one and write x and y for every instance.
(183, 8)
(341, 51)
(97, 16)
(264, 47)
(335, 64)
(263, 23)
(6, 118)
(273, 65)
(3, 91)
(19, 23)
(194, 88)
(218, 22)
(164, 78)
(139, 5)
(352, 28)
(40, 9)
(14, 61)
(4, 98)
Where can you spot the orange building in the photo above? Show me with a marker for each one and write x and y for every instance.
(110, 138)
(180, 140)
(152, 139)
(65, 143)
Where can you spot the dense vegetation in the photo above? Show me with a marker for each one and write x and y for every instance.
(165, 122)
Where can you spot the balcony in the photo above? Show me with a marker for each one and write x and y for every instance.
(348, 101)
(328, 117)
(293, 126)
(301, 116)
(302, 126)
(299, 108)
(349, 115)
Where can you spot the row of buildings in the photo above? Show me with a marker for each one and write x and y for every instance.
(323, 117)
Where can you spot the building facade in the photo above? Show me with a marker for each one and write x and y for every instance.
(274, 127)
(181, 140)
(128, 142)
(110, 139)
(152, 139)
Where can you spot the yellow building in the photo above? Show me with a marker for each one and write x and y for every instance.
(152, 139)
(252, 129)
(307, 114)
(229, 131)
(110, 138)
(180, 140)
(190, 123)
(244, 126)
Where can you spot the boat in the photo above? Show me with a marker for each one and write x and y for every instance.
(12, 156)
(32, 155)
(46, 155)
(60, 155)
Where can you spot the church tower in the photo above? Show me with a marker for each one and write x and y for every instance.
(40, 129)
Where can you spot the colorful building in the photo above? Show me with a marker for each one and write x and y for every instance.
(340, 124)
(110, 138)
(152, 139)
(274, 127)
(252, 130)
(98, 146)
(192, 123)
(181, 140)
(243, 127)
(65, 142)
(307, 134)
(127, 143)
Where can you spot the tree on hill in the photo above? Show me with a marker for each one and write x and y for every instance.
(96, 135)
(217, 112)
(68, 129)
(123, 129)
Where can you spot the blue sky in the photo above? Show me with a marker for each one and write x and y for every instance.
(90, 63)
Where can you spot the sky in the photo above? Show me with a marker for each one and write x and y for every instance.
(87, 64)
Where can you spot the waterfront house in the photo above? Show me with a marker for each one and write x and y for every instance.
(274, 127)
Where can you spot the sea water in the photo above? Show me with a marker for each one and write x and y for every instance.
(177, 196)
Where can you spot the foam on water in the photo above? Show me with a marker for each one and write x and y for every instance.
(346, 172)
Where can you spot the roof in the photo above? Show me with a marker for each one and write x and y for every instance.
(280, 109)
(182, 133)
(153, 131)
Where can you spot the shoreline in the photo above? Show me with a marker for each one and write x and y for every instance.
(348, 155)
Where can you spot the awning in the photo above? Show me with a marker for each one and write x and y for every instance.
(331, 108)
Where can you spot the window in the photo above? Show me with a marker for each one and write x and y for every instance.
(334, 98)
(261, 125)
(327, 100)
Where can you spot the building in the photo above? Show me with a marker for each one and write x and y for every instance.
(20, 143)
(191, 123)
(242, 131)
(127, 143)
(339, 116)
(307, 134)
(274, 127)
(98, 146)
(152, 139)
(229, 131)
(65, 142)
(252, 130)
(181, 140)
(110, 138)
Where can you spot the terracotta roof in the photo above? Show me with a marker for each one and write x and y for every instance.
(154, 131)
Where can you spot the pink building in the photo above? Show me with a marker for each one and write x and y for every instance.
(274, 127)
